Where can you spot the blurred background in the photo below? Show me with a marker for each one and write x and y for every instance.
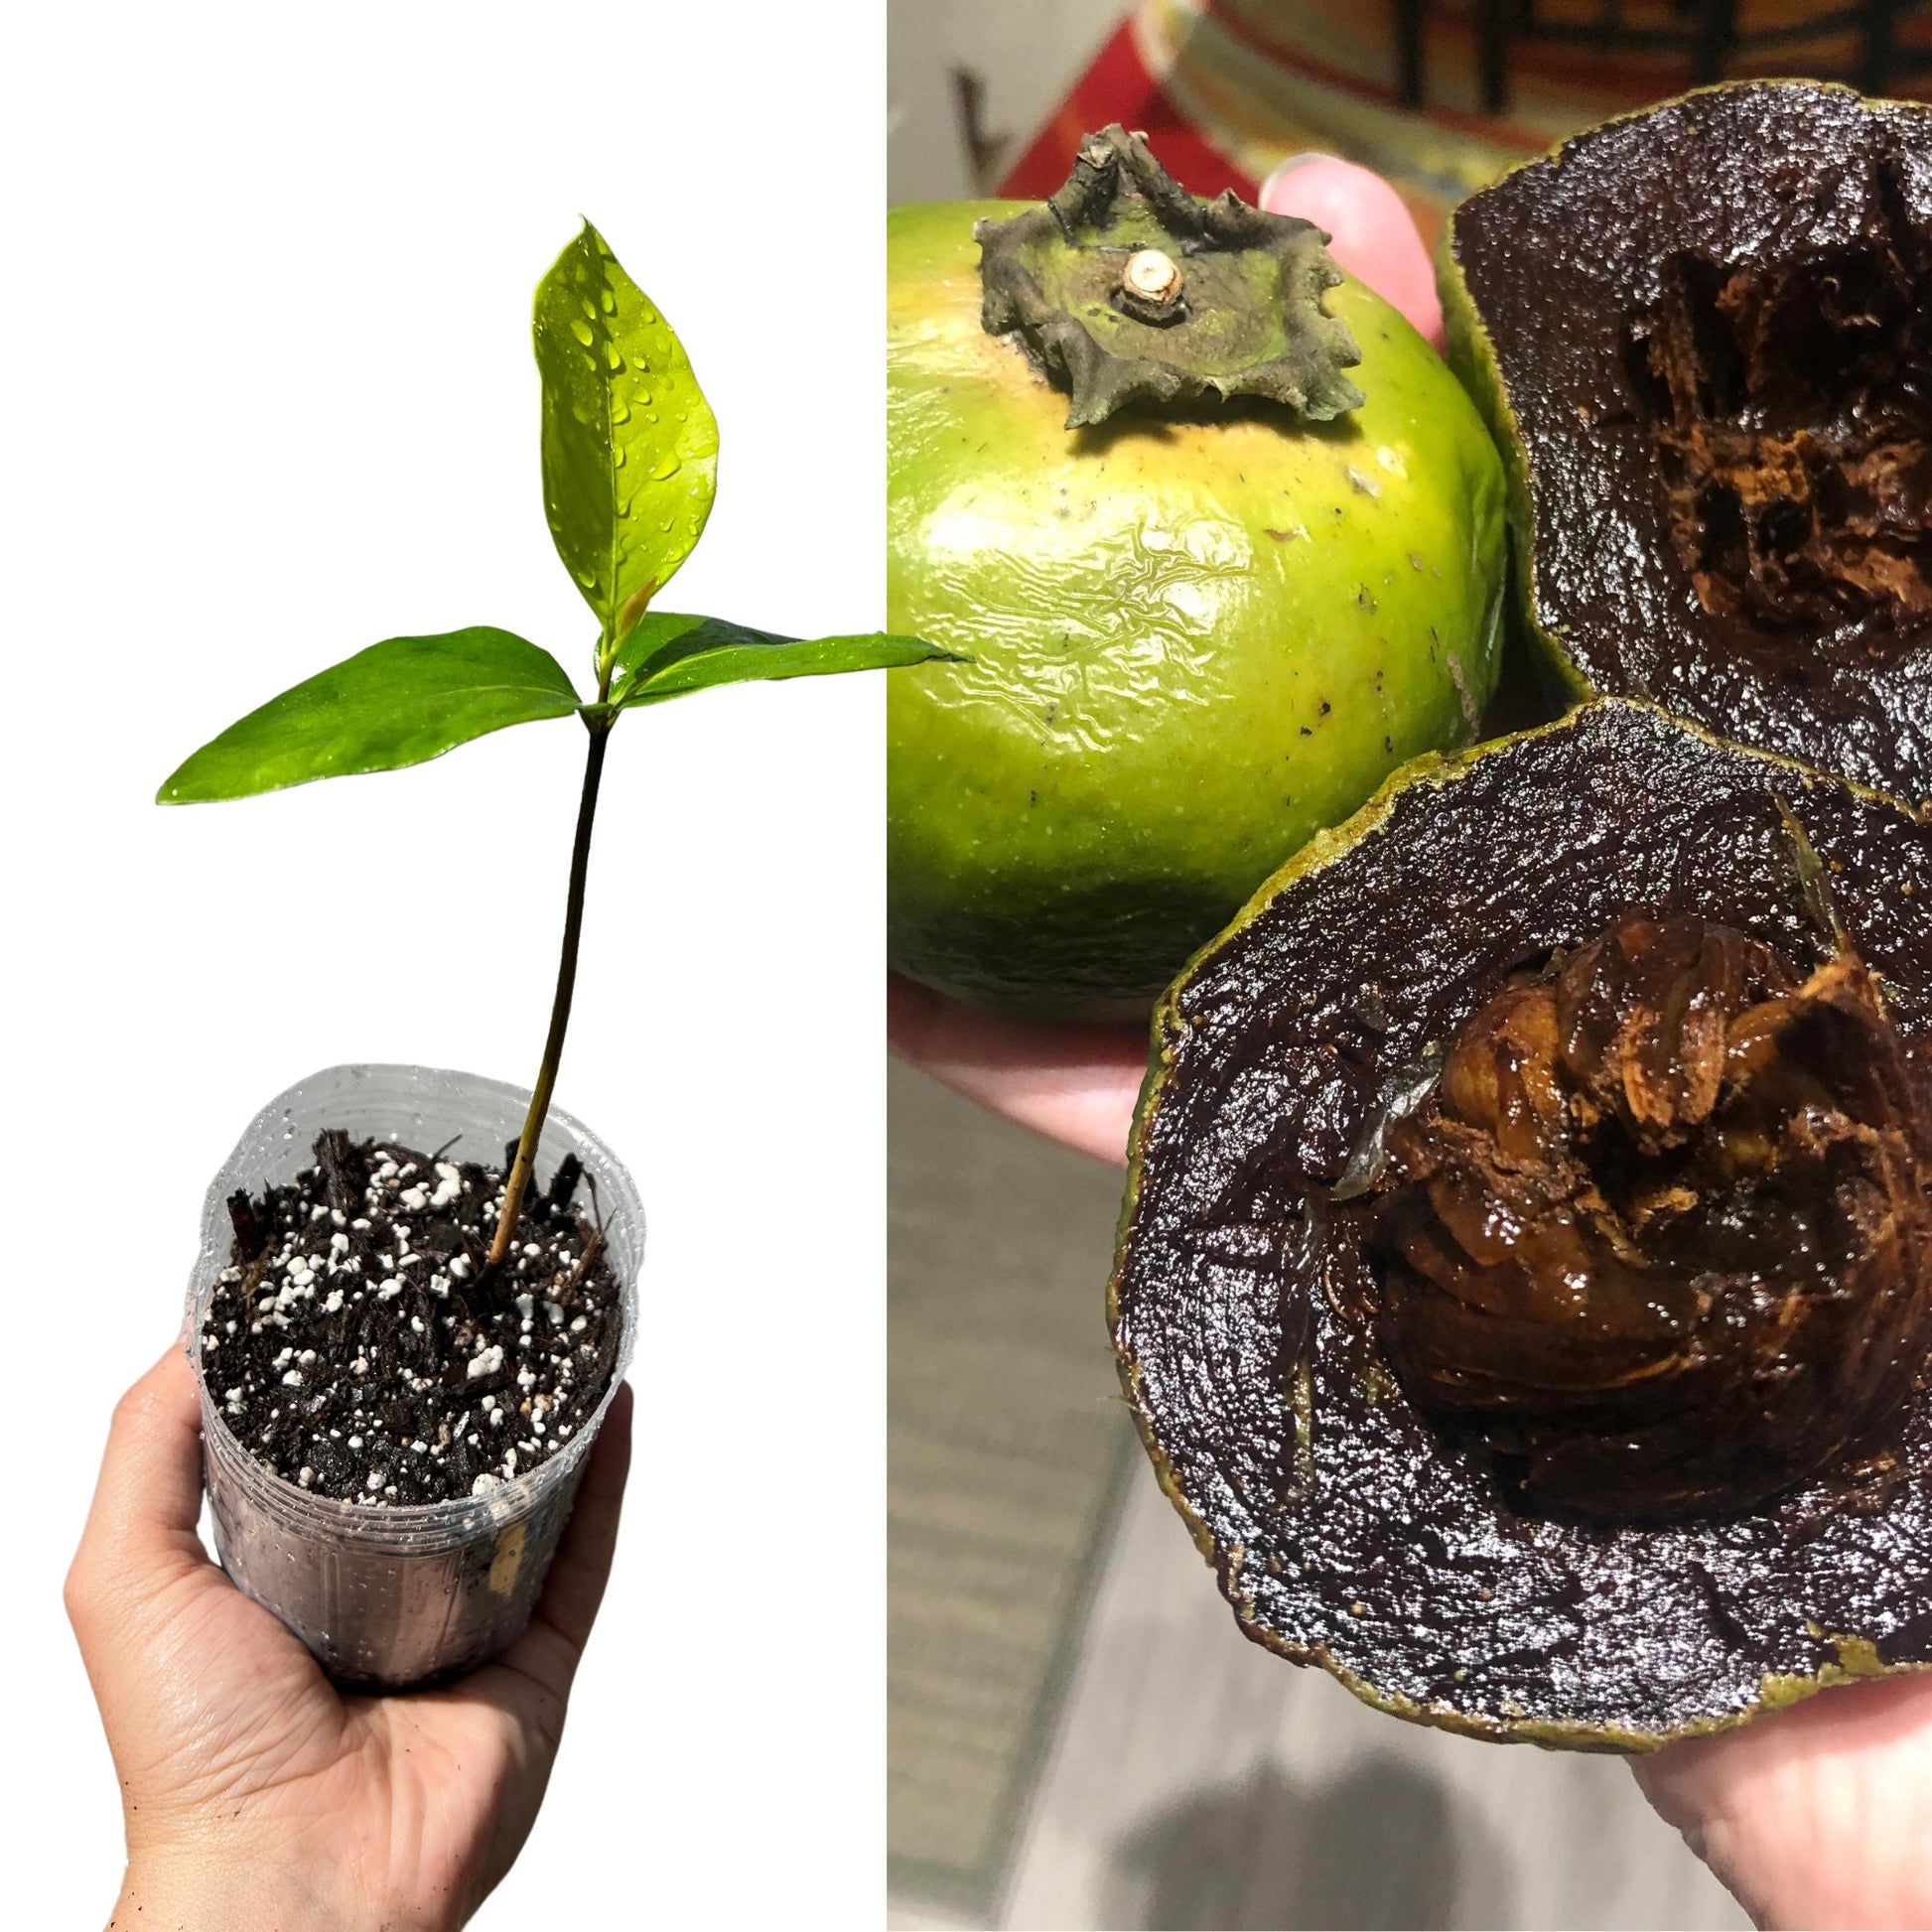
(1078, 1735)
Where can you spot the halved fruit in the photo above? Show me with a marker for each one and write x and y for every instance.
(1703, 337)
(1523, 1286)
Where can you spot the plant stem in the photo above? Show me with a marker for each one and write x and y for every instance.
(553, 1047)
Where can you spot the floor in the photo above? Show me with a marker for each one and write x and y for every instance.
(969, 82)
(1078, 1735)
(1005, 1456)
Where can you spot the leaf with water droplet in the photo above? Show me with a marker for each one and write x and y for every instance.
(671, 657)
(621, 546)
(397, 703)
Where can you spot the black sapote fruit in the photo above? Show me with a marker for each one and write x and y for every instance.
(1702, 336)
(1525, 1284)
(1188, 635)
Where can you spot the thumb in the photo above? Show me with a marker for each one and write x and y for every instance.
(1373, 235)
(140, 1548)
(1815, 1816)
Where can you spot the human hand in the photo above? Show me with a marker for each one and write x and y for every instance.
(1816, 1816)
(1077, 1084)
(258, 1797)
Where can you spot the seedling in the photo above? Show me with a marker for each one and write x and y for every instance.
(630, 470)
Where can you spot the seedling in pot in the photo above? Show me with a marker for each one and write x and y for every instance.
(629, 450)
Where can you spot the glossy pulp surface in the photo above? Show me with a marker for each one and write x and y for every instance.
(1543, 275)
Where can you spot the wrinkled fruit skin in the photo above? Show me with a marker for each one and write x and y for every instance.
(1703, 337)
(1195, 640)
(1363, 1493)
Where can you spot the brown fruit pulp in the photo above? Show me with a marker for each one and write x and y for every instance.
(1662, 1242)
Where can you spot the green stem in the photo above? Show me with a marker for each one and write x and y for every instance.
(553, 1046)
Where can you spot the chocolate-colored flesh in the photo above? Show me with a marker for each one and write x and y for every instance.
(1346, 1530)
(1704, 339)
(1661, 1239)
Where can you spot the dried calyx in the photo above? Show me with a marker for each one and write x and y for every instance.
(1129, 291)
(1791, 406)
(1661, 1241)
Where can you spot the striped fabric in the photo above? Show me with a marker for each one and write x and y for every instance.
(1441, 95)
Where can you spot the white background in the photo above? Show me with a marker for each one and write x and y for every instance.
(268, 399)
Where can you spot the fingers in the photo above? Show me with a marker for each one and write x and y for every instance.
(1373, 235)
(140, 1529)
(548, 1651)
(1076, 1084)
(582, 1568)
(1814, 1817)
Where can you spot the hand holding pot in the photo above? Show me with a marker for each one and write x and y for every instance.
(255, 1793)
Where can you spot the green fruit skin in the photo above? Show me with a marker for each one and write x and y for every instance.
(1195, 642)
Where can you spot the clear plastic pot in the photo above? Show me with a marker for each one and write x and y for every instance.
(392, 1596)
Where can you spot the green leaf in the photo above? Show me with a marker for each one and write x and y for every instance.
(670, 656)
(629, 444)
(395, 704)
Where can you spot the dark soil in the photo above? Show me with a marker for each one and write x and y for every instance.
(355, 1347)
